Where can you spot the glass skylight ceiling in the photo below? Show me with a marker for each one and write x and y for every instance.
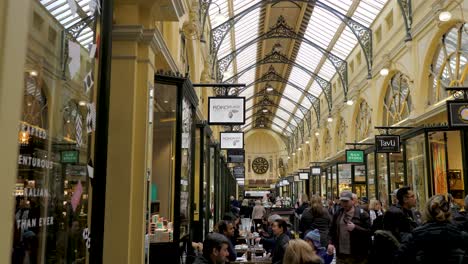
(324, 29)
(61, 11)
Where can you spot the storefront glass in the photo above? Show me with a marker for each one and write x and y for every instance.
(212, 187)
(344, 174)
(334, 182)
(447, 166)
(371, 175)
(52, 211)
(416, 168)
(359, 184)
(323, 183)
(382, 180)
(397, 179)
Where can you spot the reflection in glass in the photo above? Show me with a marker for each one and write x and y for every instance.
(382, 180)
(344, 173)
(371, 175)
(416, 168)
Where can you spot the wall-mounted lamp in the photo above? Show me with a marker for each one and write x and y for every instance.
(220, 17)
(350, 102)
(307, 142)
(317, 133)
(329, 119)
(445, 16)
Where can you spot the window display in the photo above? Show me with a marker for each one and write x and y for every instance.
(54, 134)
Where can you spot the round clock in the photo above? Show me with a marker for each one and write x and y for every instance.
(260, 165)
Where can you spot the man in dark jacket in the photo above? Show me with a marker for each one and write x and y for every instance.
(280, 228)
(226, 228)
(350, 232)
(215, 250)
(406, 219)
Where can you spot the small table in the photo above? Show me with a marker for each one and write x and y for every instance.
(253, 261)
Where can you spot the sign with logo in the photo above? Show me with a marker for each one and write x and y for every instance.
(69, 156)
(303, 175)
(226, 110)
(316, 170)
(354, 156)
(235, 156)
(232, 140)
(457, 111)
(387, 143)
(238, 171)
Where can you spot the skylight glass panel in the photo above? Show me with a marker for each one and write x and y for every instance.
(281, 113)
(287, 105)
(315, 88)
(246, 58)
(248, 113)
(247, 92)
(249, 104)
(305, 102)
(327, 70)
(299, 114)
(277, 129)
(61, 11)
(367, 11)
(345, 43)
(241, 5)
(248, 77)
(292, 92)
(341, 6)
(322, 27)
(279, 122)
(246, 29)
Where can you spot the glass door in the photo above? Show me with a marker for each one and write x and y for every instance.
(416, 165)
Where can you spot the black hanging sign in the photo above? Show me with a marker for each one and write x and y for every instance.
(457, 111)
(387, 143)
(238, 171)
(235, 156)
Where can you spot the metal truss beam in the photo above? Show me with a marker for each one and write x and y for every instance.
(361, 32)
(407, 12)
(267, 102)
(282, 30)
(272, 123)
(304, 110)
(259, 113)
(277, 57)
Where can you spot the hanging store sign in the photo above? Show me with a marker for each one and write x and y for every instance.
(457, 111)
(354, 156)
(69, 156)
(316, 170)
(226, 110)
(238, 172)
(387, 143)
(235, 156)
(296, 178)
(232, 140)
(303, 175)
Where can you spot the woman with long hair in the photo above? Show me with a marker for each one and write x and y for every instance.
(315, 217)
(298, 252)
(438, 240)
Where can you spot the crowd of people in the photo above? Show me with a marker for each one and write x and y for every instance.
(350, 230)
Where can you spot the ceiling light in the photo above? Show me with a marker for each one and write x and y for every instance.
(265, 110)
(294, 154)
(317, 133)
(384, 71)
(82, 103)
(29, 103)
(445, 16)
(219, 18)
(307, 142)
(289, 157)
(33, 73)
(166, 101)
(350, 102)
(330, 119)
(299, 149)
(269, 89)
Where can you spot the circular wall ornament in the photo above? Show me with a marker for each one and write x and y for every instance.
(260, 165)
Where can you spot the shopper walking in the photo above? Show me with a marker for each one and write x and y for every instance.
(350, 232)
(406, 218)
(258, 213)
(298, 252)
(316, 217)
(437, 240)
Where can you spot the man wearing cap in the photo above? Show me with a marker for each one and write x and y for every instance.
(350, 232)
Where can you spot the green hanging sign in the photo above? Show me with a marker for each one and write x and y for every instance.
(354, 156)
(69, 156)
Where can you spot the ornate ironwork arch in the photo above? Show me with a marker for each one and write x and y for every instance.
(282, 30)
(272, 104)
(259, 113)
(407, 12)
(277, 57)
(362, 33)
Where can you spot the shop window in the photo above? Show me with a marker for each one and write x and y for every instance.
(449, 63)
(397, 102)
(53, 182)
(363, 121)
(416, 168)
(344, 177)
(341, 135)
(382, 181)
(371, 175)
